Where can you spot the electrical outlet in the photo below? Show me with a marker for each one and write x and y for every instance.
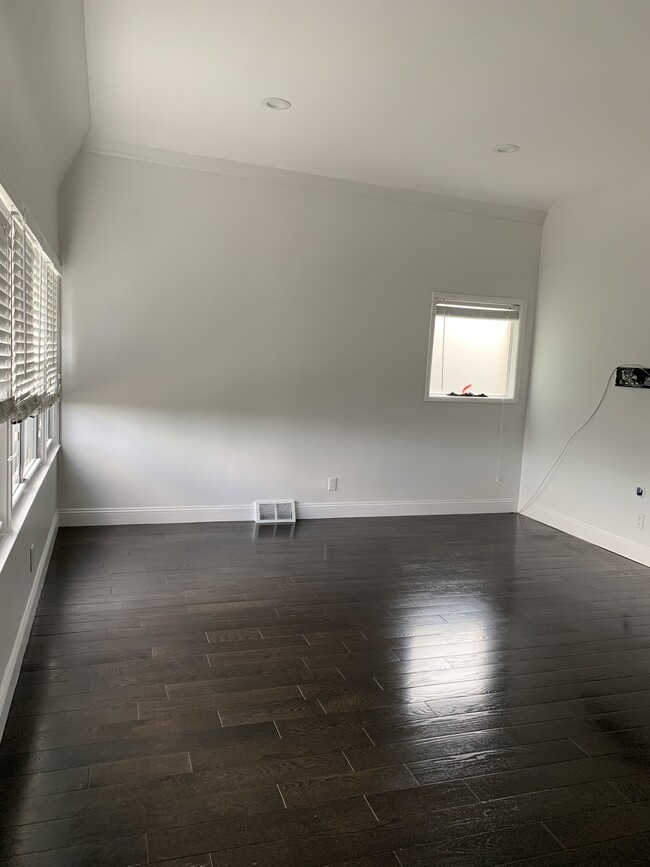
(640, 521)
(332, 483)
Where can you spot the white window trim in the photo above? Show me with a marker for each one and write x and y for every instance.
(516, 360)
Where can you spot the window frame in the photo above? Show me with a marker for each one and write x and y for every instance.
(47, 441)
(30, 384)
(515, 359)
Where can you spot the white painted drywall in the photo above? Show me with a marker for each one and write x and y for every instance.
(44, 106)
(593, 314)
(228, 339)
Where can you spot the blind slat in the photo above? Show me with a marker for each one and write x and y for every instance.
(29, 357)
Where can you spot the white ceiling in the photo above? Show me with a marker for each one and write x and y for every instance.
(401, 93)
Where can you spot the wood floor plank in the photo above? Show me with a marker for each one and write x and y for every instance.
(265, 827)
(124, 851)
(364, 757)
(605, 824)
(319, 789)
(110, 773)
(45, 836)
(495, 847)
(552, 776)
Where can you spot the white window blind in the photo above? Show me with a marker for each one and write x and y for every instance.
(18, 307)
(6, 400)
(32, 300)
(52, 365)
(26, 391)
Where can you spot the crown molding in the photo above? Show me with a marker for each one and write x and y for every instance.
(97, 144)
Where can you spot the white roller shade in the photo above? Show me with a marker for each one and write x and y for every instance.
(477, 310)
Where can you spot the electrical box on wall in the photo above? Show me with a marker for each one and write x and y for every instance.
(633, 377)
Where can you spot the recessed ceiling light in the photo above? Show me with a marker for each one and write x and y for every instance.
(506, 148)
(276, 103)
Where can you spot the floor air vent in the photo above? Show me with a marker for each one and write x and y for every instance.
(275, 511)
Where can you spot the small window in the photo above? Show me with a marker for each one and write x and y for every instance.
(474, 348)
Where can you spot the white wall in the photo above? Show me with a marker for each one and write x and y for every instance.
(593, 314)
(44, 114)
(228, 339)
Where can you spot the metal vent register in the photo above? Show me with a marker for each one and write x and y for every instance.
(275, 511)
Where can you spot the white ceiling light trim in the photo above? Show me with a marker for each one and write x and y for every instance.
(276, 103)
(506, 148)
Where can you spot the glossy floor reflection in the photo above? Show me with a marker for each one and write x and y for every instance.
(419, 691)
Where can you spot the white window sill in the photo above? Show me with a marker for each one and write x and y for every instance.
(447, 398)
(27, 491)
(17, 494)
(21, 510)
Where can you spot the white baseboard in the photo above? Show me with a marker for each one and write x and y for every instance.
(153, 515)
(12, 670)
(396, 508)
(604, 539)
(196, 514)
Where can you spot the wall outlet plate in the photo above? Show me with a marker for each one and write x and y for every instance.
(633, 377)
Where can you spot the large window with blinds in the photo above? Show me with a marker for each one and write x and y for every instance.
(474, 348)
(30, 379)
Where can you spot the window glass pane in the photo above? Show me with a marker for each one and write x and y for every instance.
(52, 423)
(472, 352)
(15, 463)
(30, 443)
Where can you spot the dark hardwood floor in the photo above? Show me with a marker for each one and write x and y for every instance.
(363, 693)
